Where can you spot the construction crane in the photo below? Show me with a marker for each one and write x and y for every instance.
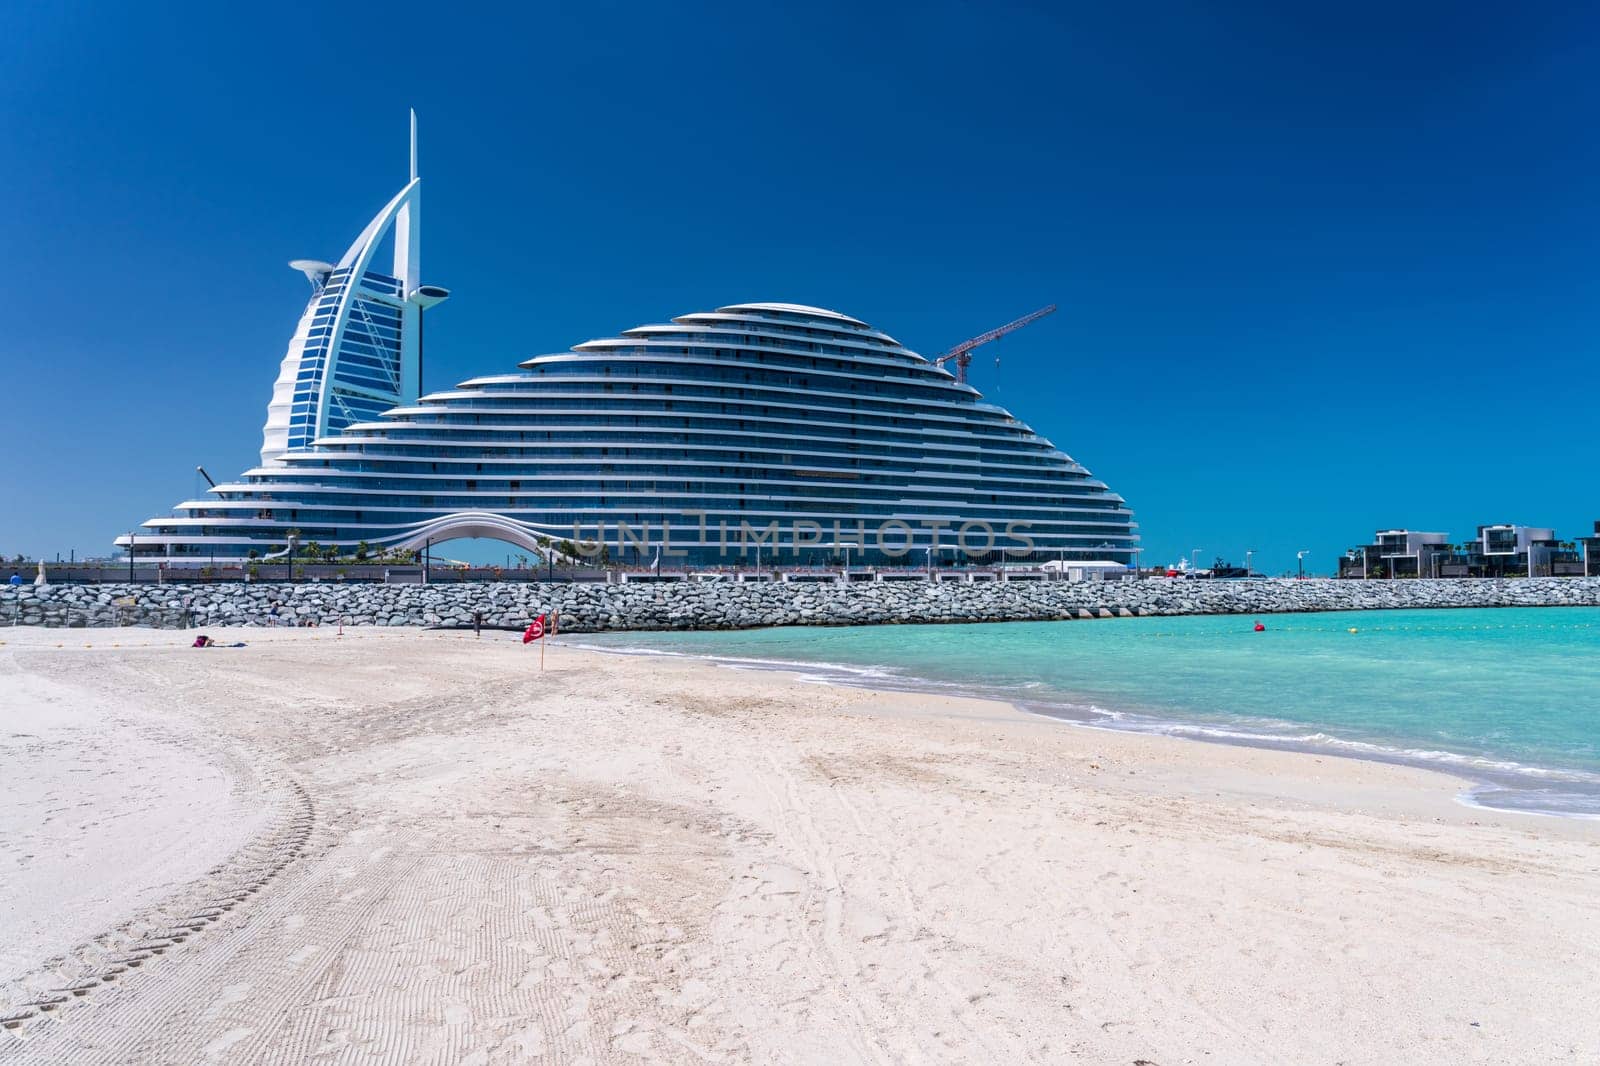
(962, 353)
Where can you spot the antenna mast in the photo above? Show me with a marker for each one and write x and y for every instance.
(413, 144)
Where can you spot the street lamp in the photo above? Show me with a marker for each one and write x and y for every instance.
(1194, 557)
(1249, 553)
(130, 556)
(424, 297)
(1301, 557)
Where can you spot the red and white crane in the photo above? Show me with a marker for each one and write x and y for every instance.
(962, 353)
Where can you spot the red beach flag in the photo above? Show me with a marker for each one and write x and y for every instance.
(534, 631)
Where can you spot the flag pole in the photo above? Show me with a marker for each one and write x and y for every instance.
(543, 637)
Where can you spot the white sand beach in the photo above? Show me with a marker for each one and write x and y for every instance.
(407, 847)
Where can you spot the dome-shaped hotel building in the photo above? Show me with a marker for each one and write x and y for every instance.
(687, 442)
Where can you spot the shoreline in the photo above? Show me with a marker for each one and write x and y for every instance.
(1513, 783)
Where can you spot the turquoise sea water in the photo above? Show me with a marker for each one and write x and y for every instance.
(1509, 698)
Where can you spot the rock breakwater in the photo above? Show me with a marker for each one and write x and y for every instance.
(588, 608)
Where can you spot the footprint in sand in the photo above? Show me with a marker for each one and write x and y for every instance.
(230, 995)
(530, 1042)
(217, 1050)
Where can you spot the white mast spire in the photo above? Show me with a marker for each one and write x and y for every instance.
(413, 144)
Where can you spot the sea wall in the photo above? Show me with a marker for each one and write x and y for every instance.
(589, 608)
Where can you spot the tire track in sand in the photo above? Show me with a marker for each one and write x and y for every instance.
(831, 955)
(142, 956)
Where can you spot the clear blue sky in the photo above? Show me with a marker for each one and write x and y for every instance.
(1320, 271)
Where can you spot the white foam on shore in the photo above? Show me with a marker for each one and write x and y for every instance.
(738, 662)
(1359, 747)
(1555, 805)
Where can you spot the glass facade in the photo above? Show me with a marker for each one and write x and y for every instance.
(807, 430)
(361, 342)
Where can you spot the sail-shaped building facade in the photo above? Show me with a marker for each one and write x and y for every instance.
(356, 351)
(780, 428)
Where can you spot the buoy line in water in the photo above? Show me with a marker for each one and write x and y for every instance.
(1389, 629)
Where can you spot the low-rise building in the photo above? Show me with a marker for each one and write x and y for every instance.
(1522, 551)
(1397, 553)
(1503, 550)
(1589, 551)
